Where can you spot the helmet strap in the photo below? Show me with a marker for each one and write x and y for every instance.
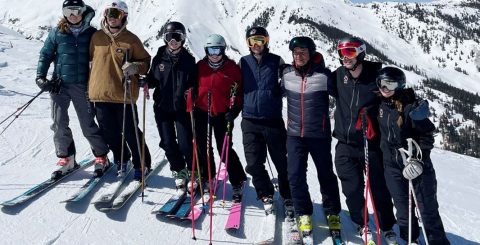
(354, 66)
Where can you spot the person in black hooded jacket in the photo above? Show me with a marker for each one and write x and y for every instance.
(402, 116)
(172, 73)
(354, 92)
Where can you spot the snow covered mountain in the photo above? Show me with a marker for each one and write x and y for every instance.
(26, 148)
(438, 40)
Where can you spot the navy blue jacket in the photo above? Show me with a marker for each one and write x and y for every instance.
(70, 54)
(262, 92)
(351, 95)
(307, 99)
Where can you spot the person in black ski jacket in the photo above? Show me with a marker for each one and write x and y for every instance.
(306, 84)
(402, 116)
(354, 93)
(172, 73)
(67, 45)
(262, 123)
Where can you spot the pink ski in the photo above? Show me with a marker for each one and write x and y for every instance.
(235, 216)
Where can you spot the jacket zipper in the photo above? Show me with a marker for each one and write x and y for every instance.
(302, 96)
(351, 112)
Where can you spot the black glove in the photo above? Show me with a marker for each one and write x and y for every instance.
(230, 116)
(44, 84)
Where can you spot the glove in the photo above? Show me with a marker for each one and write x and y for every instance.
(130, 68)
(44, 84)
(413, 169)
(230, 116)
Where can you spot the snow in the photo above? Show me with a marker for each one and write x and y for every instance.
(27, 153)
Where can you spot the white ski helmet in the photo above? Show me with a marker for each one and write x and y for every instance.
(120, 5)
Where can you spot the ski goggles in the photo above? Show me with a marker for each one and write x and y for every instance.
(257, 40)
(387, 85)
(114, 13)
(215, 51)
(73, 10)
(350, 52)
(177, 36)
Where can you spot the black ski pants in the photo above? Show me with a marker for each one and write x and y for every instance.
(320, 150)
(350, 165)
(175, 132)
(425, 187)
(110, 119)
(258, 136)
(218, 123)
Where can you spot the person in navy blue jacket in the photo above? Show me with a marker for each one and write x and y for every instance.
(262, 124)
(402, 116)
(306, 85)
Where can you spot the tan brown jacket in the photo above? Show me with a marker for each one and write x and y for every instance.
(107, 53)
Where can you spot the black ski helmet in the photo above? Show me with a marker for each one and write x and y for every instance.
(175, 26)
(303, 42)
(353, 42)
(392, 74)
(256, 31)
(72, 3)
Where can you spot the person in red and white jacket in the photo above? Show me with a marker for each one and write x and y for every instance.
(217, 75)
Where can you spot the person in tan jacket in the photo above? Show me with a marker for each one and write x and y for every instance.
(118, 57)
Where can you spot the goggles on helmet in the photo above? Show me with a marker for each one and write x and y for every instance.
(215, 51)
(114, 13)
(387, 85)
(257, 40)
(349, 53)
(177, 36)
(73, 10)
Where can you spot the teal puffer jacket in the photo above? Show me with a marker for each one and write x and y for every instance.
(69, 52)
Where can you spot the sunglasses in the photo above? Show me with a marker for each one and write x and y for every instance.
(114, 13)
(257, 40)
(177, 36)
(387, 85)
(73, 10)
(215, 51)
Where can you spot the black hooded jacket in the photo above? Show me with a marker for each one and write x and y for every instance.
(351, 96)
(171, 78)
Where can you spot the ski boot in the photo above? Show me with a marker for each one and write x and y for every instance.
(67, 164)
(289, 209)
(369, 238)
(390, 237)
(101, 164)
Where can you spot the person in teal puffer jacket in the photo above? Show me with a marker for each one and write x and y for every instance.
(67, 45)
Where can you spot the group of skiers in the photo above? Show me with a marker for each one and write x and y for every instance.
(98, 70)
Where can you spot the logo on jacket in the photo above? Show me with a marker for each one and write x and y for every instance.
(161, 67)
(380, 113)
(345, 79)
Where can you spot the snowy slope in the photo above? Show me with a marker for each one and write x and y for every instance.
(27, 157)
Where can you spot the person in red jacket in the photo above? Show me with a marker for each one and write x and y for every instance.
(217, 75)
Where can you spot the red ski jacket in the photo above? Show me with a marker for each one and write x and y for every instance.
(219, 82)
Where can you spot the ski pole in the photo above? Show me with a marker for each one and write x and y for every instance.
(209, 139)
(274, 180)
(124, 118)
(368, 191)
(20, 111)
(146, 96)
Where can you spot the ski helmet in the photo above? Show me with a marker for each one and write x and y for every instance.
(75, 7)
(257, 31)
(352, 47)
(116, 9)
(391, 78)
(174, 30)
(215, 44)
(303, 42)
